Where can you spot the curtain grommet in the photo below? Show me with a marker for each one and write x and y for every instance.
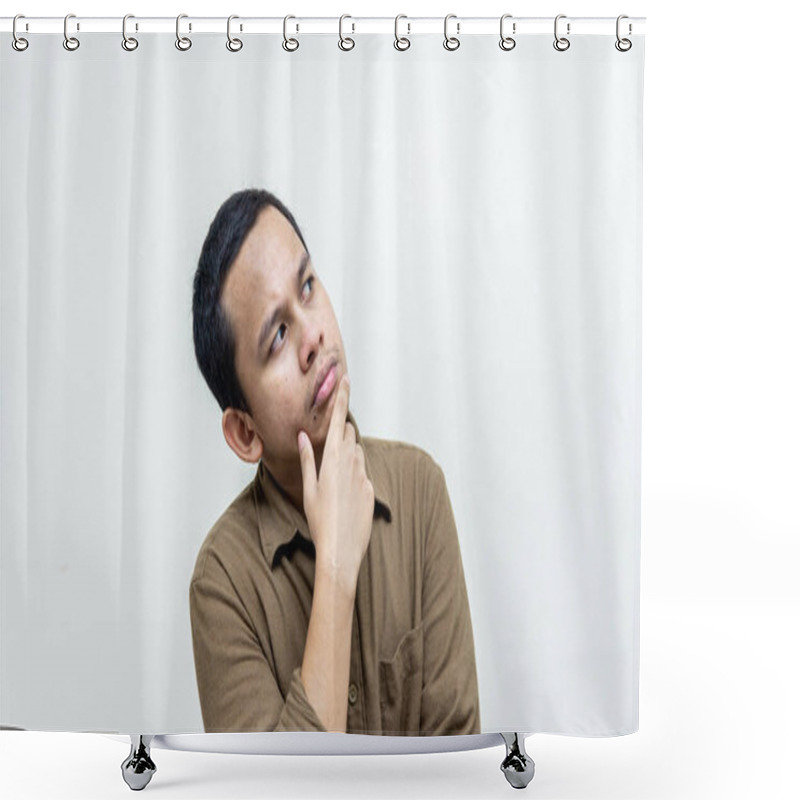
(507, 42)
(183, 43)
(129, 43)
(234, 45)
(401, 43)
(346, 43)
(451, 42)
(19, 43)
(289, 45)
(71, 43)
(561, 43)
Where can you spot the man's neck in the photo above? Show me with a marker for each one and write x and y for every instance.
(289, 478)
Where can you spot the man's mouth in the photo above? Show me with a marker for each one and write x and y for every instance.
(324, 386)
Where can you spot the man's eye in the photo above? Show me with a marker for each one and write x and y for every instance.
(308, 283)
(278, 338)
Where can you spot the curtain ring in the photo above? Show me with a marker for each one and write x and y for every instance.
(346, 43)
(290, 45)
(561, 43)
(18, 43)
(70, 42)
(182, 42)
(128, 42)
(234, 45)
(401, 43)
(451, 42)
(623, 45)
(506, 42)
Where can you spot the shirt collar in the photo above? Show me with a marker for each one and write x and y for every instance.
(279, 522)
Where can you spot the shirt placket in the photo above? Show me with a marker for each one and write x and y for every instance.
(356, 708)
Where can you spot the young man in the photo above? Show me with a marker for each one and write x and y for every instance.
(330, 595)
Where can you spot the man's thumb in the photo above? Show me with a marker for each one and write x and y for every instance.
(307, 465)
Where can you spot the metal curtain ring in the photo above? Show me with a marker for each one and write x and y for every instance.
(623, 45)
(401, 43)
(506, 42)
(290, 45)
(128, 42)
(561, 43)
(18, 43)
(451, 42)
(234, 45)
(70, 42)
(346, 43)
(181, 42)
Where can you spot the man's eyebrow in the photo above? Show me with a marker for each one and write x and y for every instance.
(269, 322)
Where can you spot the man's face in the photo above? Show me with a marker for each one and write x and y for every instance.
(287, 338)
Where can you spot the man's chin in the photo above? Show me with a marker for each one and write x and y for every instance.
(320, 435)
(317, 426)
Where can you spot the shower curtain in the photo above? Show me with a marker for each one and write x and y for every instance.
(475, 217)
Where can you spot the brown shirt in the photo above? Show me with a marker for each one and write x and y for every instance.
(412, 664)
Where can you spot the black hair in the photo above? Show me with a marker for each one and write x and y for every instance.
(214, 342)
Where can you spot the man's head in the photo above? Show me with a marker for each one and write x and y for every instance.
(265, 332)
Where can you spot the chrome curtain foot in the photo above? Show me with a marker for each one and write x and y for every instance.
(517, 766)
(138, 767)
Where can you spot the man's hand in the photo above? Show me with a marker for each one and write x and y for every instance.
(339, 503)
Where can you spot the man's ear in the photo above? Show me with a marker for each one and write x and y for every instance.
(240, 434)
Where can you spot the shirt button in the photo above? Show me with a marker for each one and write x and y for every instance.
(352, 695)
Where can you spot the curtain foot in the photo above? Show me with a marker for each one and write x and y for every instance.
(138, 768)
(517, 766)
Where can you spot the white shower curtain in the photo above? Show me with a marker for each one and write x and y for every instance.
(476, 219)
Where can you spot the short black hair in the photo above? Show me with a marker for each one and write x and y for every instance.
(214, 343)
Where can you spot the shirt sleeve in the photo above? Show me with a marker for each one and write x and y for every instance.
(237, 687)
(450, 681)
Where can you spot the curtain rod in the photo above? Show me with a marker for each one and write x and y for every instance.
(326, 25)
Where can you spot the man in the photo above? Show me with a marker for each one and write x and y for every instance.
(330, 595)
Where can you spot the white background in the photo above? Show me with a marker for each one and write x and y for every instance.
(720, 617)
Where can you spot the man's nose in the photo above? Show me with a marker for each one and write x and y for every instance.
(313, 340)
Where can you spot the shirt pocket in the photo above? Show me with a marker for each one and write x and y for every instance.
(401, 686)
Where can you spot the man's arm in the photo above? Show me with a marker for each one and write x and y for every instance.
(326, 659)
(450, 680)
(338, 505)
(236, 683)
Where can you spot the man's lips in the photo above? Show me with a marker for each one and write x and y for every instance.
(324, 389)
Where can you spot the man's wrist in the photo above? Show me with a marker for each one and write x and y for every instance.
(332, 581)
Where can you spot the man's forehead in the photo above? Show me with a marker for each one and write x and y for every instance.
(271, 247)
(266, 263)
